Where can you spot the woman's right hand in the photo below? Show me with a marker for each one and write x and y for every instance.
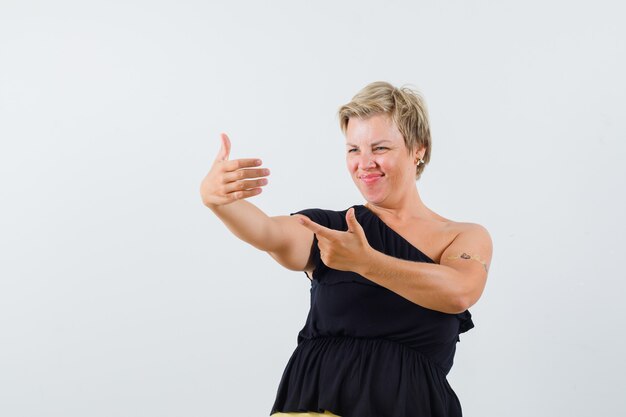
(229, 181)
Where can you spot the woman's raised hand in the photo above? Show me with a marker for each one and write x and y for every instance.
(228, 181)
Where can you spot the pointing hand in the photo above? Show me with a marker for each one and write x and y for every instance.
(344, 251)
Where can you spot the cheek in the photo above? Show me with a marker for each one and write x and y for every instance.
(385, 163)
(393, 168)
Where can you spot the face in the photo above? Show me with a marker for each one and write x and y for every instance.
(378, 160)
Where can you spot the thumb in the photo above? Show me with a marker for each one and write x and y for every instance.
(224, 152)
(353, 224)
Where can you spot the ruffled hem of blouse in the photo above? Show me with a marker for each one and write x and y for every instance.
(466, 322)
(355, 377)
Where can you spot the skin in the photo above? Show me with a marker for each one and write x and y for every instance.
(230, 180)
(472, 257)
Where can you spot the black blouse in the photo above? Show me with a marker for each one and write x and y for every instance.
(366, 351)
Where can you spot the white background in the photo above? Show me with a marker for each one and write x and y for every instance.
(122, 295)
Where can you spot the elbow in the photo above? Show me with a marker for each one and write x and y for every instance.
(461, 303)
(286, 262)
(464, 301)
(464, 296)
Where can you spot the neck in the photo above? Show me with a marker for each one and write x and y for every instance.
(402, 209)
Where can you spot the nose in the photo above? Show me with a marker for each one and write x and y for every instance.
(366, 161)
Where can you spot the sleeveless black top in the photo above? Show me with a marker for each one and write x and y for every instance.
(366, 351)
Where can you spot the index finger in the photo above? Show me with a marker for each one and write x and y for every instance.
(236, 164)
(316, 228)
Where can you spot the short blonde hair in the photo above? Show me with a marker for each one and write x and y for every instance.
(406, 107)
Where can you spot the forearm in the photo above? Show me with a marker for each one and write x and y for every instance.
(434, 286)
(248, 223)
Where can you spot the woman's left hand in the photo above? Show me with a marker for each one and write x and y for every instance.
(344, 251)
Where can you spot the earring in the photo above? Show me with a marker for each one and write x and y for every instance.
(418, 161)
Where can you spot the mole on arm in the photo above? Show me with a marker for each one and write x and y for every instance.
(464, 255)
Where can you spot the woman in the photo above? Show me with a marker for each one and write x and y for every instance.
(391, 280)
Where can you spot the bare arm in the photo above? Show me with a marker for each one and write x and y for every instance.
(452, 286)
(282, 237)
(224, 190)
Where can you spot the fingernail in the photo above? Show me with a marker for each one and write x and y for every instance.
(258, 162)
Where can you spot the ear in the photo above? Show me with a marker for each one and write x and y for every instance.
(418, 153)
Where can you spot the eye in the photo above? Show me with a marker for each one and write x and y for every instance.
(353, 149)
(380, 147)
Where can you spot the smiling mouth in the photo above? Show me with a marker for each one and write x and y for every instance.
(369, 179)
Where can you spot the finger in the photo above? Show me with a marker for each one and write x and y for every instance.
(244, 185)
(239, 195)
(242, 174)
(236, 164)
(353, 224)
(316, 228)
(224, 152)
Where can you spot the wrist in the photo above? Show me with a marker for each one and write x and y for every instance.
(371, 258)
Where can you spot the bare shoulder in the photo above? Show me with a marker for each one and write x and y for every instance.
(473, 228)
(469, 232)
(465, 227)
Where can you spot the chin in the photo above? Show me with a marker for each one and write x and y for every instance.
(369, 197)
(373, 199)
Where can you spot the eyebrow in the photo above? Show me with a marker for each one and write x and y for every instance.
(373, 143)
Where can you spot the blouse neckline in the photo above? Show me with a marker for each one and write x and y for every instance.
(394, 232)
